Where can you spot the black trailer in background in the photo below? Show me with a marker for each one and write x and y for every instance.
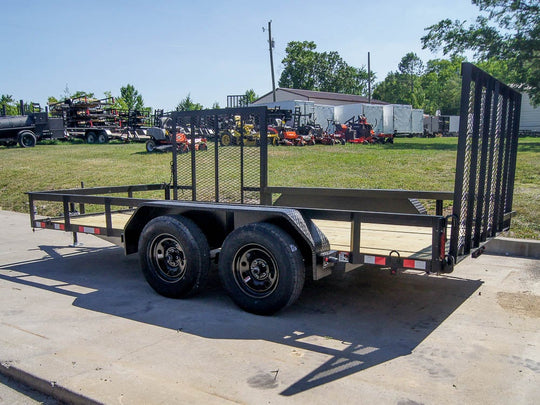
(29, 127)
(221, 205)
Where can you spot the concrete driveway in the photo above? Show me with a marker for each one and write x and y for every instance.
(82, 325)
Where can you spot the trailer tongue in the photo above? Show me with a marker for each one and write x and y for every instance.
(268, 240)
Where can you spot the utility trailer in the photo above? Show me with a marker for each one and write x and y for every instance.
(97, 121)
(29, 127)
(267, 240)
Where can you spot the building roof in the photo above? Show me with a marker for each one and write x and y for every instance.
(324, 95)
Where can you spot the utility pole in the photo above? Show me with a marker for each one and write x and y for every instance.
(271, 45)
(369, 78)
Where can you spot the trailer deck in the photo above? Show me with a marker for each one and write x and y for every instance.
(412, 242)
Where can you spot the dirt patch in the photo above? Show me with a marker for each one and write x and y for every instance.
(521, 303)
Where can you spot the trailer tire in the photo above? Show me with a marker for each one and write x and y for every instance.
(91, 137)
(150, 146)
(26, 139)
(102, 138)
(261, 268)
(174, 256)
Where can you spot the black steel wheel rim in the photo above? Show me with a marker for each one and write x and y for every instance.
(255, 271)
(27, 140)
(168, 258)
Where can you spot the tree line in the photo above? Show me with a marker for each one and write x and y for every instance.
(129, 100)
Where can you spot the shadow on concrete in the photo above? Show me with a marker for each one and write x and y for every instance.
(361, 319)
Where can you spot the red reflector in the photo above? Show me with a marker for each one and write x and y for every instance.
(408, 263)
(380, 260)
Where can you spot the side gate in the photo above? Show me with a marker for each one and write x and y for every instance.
(486, 161)
(232, 167)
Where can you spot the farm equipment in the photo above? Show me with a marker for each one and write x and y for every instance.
(29, 127)
(161, 140)
(309, 130)
(236, 132)
(338, 135)
(358, 130)
(285, 135)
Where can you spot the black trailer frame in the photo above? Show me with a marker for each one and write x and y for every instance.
(219, 202)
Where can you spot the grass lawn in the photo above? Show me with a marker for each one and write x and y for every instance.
(411, 164)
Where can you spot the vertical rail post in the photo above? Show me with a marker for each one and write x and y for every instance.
(174, 166)
(216, 158)
(242, 140)
(193, 161)
(466, 73)
(265, 197)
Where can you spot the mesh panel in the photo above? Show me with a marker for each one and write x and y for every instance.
(225, 163)
(466, 170)
(494, 159)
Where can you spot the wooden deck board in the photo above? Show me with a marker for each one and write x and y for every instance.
(119, 220)
(376, 239)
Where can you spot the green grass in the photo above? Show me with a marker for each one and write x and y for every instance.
(411, 164)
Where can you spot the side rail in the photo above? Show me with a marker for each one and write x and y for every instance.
(486, 161)
(434, 261)
(74, 204)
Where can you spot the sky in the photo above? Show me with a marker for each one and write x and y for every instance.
(207, 49)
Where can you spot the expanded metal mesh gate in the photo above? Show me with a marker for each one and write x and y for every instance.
(231, 166)
(486, 160)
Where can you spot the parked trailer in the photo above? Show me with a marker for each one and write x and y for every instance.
(28, 128)
(97, 121)
(268, 240)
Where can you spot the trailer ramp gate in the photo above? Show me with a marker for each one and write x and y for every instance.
(486, 161)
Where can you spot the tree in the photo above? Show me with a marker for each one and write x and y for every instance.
(299, 66)
(412, 66)
(81, 93)
(403, 86)
(187, 104)
(7, 102)
(131, 97)
(251, 96)
(441, 84)
(215, 106)
(67, 94)
(506, 30)
(305, 68)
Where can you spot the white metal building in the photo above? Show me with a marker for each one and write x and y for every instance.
(324, 107)
(530, 116)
